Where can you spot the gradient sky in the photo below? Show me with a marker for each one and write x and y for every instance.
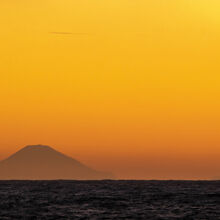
(130, 86)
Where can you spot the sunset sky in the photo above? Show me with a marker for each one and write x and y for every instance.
(128, 86)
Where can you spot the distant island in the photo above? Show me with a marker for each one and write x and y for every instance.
(39, 162)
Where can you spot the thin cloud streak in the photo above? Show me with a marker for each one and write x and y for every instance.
(67, 33)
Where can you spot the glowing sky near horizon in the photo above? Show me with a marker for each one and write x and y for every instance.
(130, 86)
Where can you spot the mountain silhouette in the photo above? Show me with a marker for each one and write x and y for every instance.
(38, 162)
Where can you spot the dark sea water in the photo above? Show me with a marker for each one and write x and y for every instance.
(110, 200)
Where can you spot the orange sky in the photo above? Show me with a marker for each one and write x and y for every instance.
(134, 89)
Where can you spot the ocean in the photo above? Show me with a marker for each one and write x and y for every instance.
(110, 200)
